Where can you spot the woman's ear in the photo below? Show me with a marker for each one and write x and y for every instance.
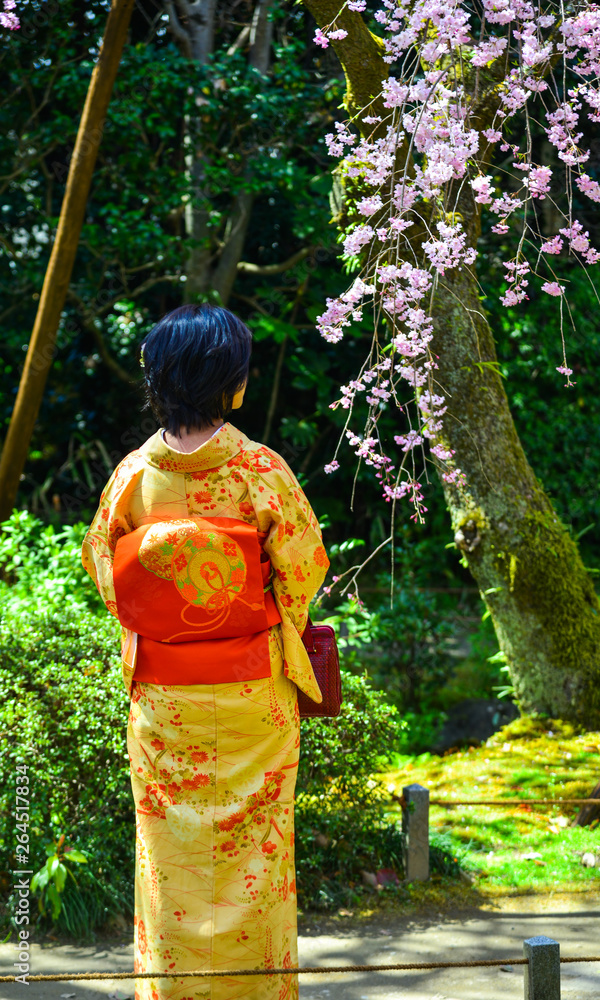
(238, 399)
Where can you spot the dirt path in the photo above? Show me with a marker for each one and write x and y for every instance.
(485, 933)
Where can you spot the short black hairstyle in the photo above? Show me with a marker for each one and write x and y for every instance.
(195, 360)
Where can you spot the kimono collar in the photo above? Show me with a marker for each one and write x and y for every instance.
(218, 450)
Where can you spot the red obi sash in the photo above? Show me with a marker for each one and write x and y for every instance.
(194, 584)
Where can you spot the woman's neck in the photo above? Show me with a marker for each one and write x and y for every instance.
(188, 441)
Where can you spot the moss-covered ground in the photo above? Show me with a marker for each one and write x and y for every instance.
(526, 849)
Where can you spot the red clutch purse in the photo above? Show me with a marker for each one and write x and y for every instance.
(321, 647)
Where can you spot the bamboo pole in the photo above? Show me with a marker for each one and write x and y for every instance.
(58, 274)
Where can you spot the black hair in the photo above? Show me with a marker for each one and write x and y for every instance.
(195, 360)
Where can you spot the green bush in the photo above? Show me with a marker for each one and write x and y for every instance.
(399, 634)
(340, 825)
(63, 712)
(40, 566)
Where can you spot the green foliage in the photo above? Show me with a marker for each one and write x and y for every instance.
(400, 633)
(334, 847)
(40, 566)
(343, 753)
(51, 879)
(63, 712)
(340, 828)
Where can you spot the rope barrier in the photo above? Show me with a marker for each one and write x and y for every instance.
(324, 970)
(304, 970)
(517, 803)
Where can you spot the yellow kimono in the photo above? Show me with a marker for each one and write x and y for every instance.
(214, 766)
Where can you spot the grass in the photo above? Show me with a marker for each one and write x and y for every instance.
(528, 849)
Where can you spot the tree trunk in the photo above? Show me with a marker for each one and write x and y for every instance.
(261, 32)
(526, 564)
(56, 282)
(235, 237)
(193, 26)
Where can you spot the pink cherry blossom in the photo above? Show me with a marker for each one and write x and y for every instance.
(553, 288)
(357, 239)
(588, 186)
(554, 245)
(7, 18)
(538, 181)
(489, 50)
(429, 113)
(368, 206)
(483, 187)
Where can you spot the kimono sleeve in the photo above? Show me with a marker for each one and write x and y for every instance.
(295, 548)
(111, 521)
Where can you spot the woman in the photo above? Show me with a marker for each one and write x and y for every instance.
(206, 549)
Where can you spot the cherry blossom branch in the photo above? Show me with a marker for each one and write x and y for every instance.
(419, 166)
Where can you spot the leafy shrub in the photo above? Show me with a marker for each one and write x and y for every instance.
(63, 712)
(343, 753)
(399, 635)
(340, 827)
(426, 647)
(40, 566)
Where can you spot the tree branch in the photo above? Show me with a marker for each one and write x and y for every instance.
(240, 41)
(245, 267)
(361, 55)
(106, 356)
(235, 236)
(178, 31)
(261, 33)
(132, 293)
(87, 321)
(184, 8)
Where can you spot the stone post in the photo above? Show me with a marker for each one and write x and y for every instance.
(542, 974)
(415, 826)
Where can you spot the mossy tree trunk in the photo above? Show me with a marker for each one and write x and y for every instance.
(526, 564)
